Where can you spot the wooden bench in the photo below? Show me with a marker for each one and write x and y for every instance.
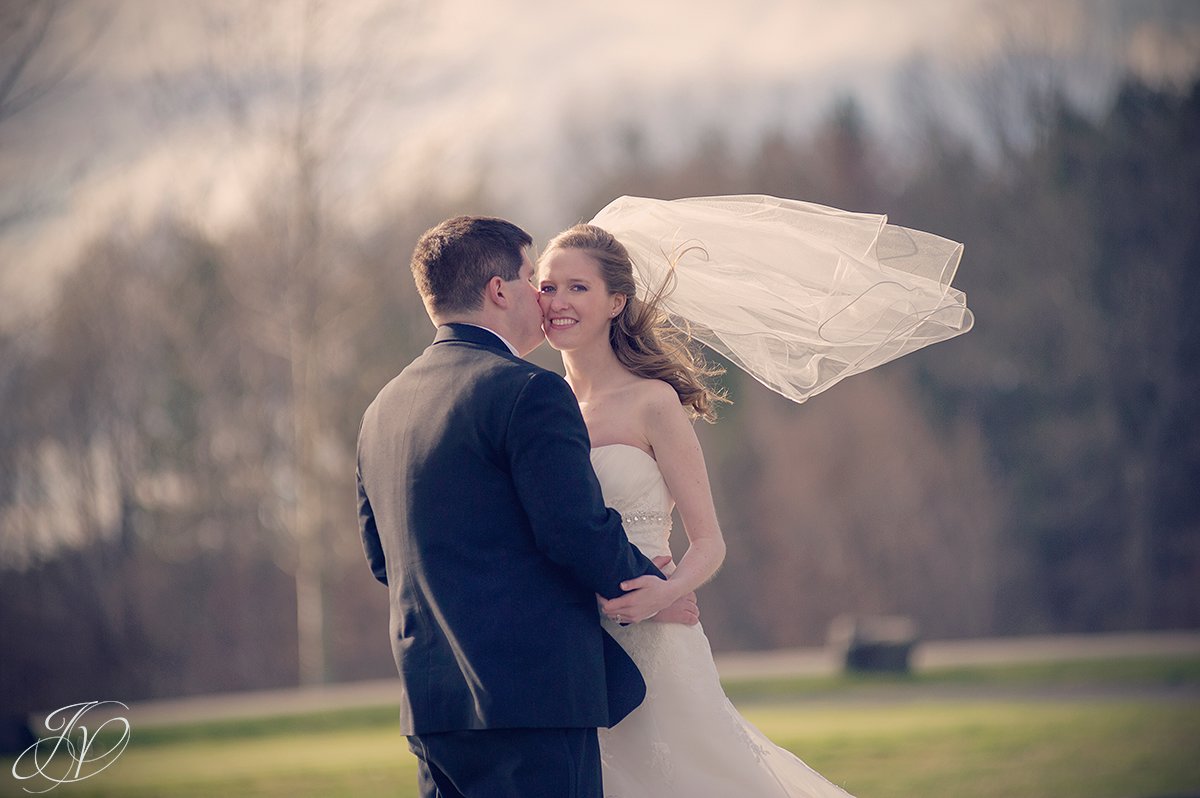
(874, 643)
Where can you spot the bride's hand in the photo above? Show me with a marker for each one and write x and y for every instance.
(664, 563)
(684, 611)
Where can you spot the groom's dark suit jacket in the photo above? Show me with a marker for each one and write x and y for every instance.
(480, 511)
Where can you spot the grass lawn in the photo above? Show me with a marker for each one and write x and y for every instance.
(1025, 749)
(874, 738)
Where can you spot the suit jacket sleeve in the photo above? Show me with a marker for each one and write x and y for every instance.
(370, 534)
(549, 455)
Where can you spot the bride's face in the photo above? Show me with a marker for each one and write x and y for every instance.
(576, 305)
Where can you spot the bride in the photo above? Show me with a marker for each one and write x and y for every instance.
(639, 387)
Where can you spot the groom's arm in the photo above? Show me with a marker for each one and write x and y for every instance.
(550, 460)
(370, 533)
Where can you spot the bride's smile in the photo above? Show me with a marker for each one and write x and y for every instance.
(576, 305)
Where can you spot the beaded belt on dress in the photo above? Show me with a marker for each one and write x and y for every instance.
(645, 517)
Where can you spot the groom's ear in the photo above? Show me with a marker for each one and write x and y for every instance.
(494, 292)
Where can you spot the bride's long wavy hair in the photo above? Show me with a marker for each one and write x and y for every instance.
(642, 337)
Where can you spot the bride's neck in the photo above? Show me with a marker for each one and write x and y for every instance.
(592, 369)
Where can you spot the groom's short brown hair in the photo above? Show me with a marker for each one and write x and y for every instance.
(455, 260)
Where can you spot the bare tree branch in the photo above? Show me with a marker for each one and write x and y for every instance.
(28, 34)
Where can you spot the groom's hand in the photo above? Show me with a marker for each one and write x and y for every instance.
(646, 595)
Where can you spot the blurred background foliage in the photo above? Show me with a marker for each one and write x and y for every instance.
(178, 427)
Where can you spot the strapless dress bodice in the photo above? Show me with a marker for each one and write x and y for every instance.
(634, 487)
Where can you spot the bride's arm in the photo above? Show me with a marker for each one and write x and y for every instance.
(666, 427)
(681, 461)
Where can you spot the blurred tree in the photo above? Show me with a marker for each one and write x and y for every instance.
(1140, 175)
(307, 296)
(141, 465)
(118, 478)
(854, 503)
(39, 50)
(849, 169)
(1081, 274)
(34, 58)
(1069, 393)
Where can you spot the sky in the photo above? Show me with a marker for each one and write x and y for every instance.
(180, 106)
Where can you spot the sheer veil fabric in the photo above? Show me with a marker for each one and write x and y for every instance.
(798, 295)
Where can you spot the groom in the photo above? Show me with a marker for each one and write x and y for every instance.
(480, 511)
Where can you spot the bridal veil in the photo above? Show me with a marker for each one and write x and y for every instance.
(798, 295)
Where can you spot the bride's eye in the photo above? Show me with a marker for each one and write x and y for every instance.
(547, 289)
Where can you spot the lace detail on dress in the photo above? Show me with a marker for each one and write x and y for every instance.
(660, 760)
(738, 725)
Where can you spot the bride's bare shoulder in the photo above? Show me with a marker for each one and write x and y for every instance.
(654, 397)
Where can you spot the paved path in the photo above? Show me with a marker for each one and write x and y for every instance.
(953, 653)
(739, 665)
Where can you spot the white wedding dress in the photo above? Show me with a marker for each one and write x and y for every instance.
(686, 739)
